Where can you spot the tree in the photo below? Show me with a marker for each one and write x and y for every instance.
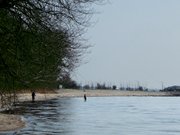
(40, 40)
(31, 58)
(114, 87)
(68, 83)
(86, 87)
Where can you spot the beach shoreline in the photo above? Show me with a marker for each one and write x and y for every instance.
(14, 122)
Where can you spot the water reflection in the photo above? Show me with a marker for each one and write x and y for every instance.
(44, 117)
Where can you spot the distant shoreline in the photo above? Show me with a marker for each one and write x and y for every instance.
(45, 95)
(104, 93)
(13, 122)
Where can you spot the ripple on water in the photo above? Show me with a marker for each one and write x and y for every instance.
(101, 116)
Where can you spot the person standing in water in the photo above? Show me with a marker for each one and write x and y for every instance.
(85, 98)
(33, 96)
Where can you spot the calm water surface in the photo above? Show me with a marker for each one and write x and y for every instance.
(102, 116)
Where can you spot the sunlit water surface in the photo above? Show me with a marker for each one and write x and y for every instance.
(102, 116)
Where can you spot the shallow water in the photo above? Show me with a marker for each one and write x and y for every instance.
(102, 116)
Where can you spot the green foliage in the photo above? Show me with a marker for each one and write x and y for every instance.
(30, 58)
(68, 83)
(39, 41)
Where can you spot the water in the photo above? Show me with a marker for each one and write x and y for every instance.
(103, 116)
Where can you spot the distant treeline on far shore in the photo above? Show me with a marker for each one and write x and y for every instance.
(99, 86)
(71, 84)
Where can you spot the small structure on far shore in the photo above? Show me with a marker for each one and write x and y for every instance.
(172, 88)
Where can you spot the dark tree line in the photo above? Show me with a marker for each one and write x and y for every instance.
(40, 40)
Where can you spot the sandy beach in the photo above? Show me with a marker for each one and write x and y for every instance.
(13, 122)
(102, 93)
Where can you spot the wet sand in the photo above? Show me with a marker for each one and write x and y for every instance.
(13, 122)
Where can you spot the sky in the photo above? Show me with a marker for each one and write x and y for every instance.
(133, 42)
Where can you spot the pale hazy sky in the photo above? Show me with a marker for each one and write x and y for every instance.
(134, 41)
